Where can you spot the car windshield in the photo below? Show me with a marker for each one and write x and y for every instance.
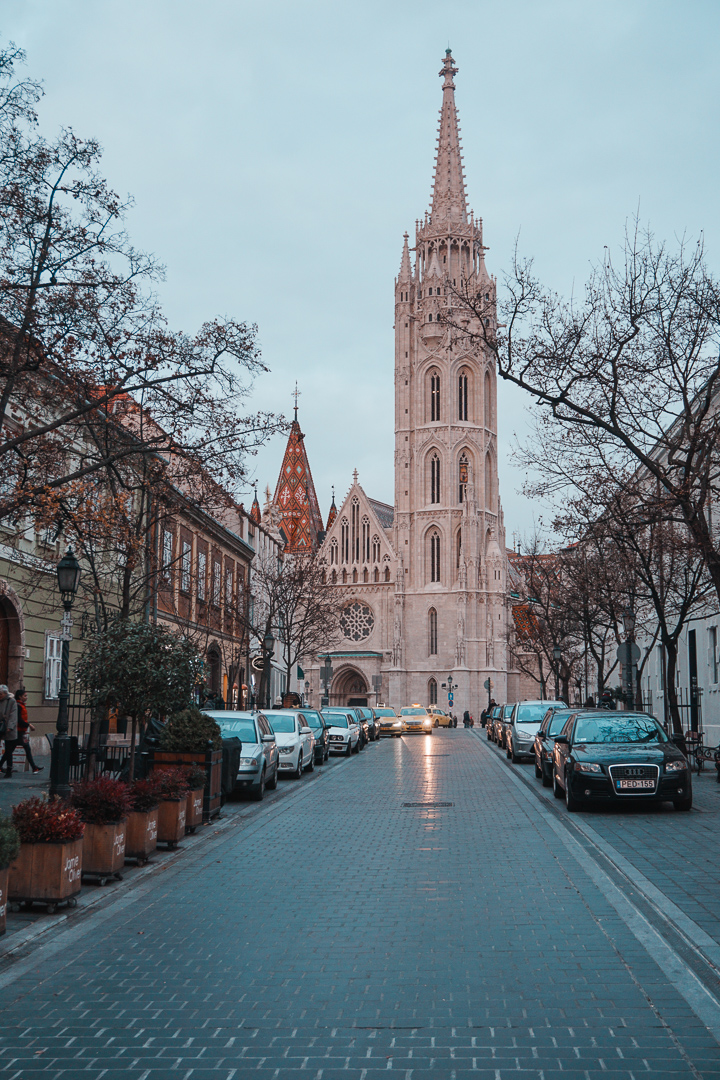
(412, 712)
(366, 713)
(336, 719)
(243, 729)
(312, 720)
(619, 729)
(533, 712)
(507, 711)
(557, 723)
(384, 712)
(281, 723)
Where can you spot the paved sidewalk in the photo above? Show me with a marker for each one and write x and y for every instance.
(356, 931)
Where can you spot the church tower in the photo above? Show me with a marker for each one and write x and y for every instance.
(295, 501)
(450, 607)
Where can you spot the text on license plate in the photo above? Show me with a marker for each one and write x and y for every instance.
(630, 785)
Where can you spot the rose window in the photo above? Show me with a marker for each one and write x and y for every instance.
(357, 621)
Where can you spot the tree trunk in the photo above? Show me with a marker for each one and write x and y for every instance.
(131, 765)
(96, 720)
(670, 689)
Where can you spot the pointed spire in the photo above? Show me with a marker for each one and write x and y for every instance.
(405, 276)
(332, 514)
(255, 509)
(448, 201)
(295, 499)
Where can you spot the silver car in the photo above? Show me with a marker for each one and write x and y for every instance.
(501, 725)
(527, 716)
(259, 757)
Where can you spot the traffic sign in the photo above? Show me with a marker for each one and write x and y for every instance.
(450, 699)
(488, 684)
(623, 649)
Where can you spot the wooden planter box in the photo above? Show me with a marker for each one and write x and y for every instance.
(211, 762)
(142, 834)
(104, 850)
(46, 874)
(194, 814)
(4, 874)
(171, 821)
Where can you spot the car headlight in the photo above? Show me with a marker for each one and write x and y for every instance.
(525, 734)
(398, 723)
(675, 766)
(587, 766)
(286, 749)
(249, 761)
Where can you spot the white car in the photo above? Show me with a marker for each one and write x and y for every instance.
(343, 731)
(295, 740)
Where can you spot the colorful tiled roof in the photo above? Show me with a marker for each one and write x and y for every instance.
(295, 500)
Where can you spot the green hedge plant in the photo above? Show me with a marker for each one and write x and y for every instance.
(190, 731)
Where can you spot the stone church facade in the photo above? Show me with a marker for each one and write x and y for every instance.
(426, 579)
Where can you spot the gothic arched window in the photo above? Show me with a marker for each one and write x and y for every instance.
(387, 573)
(345, 540)
(432, 691)
(434, 556)
(366, 539)
(462, 477)
(432, 631)
(459, 547)
(435, 479)
(376, 573)
(366, 575)
(376, 548)
(333, 552)
(463, 395)
(434, 395)
(488, 400)
(489, 482)
(333, 577)
(355, 535)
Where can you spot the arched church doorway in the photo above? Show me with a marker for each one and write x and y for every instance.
(11, 642)
(349, 688)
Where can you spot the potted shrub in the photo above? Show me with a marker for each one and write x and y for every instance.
(104, 805)
(172, 787)
(193, 737)
(142, 827)
(48, 869)
(196, 778)
(9, 848)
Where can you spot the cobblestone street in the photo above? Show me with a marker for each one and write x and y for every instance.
(354, 929)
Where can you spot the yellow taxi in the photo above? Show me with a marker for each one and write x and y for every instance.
(440, 718)
(416, 720)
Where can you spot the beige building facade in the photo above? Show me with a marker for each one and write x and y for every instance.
(426, 579)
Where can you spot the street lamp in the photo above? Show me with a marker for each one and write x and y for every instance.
(307, 691)
(268, 647)
(68, 577)
(629, 622)
(557, 657)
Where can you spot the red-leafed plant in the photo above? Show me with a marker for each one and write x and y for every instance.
(144, 794)
(172, 784)
(196, 776)
(101, 801)
(41, 821)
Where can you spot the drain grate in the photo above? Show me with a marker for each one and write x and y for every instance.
(428, 805)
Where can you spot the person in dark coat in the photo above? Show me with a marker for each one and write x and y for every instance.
(466, 719)
(25, 727)
(9, 728)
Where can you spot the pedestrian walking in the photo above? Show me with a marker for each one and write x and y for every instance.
(466, 719)
(24, 727)
(8, 729)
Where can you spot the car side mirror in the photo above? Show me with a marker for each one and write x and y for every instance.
(305, 730)
(268, 738)
(562, 739)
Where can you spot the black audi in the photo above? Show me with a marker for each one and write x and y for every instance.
(618, 757)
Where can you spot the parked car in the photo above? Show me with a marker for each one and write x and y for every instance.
(491, 720)
(602, 756)
(362, 724)
(295, 740)
(416, 720)
(259, 757)
(389, 722)
(369, 715)
(440, 718)
(343, 731)
(552, 724)
(522, 727)
(320, 731)
(501, 724)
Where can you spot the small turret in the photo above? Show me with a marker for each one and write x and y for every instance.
(332, 515)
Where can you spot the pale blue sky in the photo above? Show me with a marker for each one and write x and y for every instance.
(277, 151)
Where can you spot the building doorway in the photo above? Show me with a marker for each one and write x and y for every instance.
(349, 688)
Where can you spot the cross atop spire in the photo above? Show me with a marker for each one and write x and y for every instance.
(448, 200)
(296, 394)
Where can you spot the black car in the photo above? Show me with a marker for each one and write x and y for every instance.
(553, 722)
(362, 724)
(368, 714)
(618, 757)
(319, 729)
(490, 723)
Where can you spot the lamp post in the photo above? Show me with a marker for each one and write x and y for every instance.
(268, 647)
(68, 577)
(629, 627)
(557, 657)
(307, 692)
(450, 687)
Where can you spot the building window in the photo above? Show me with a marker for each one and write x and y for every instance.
(435, 479)
(387, 573)
(432, 691)
(488, 400)
(462, 478)
(53, 664)
(376, 549)
(201, 574)
(167, 553)
(434, 396)
(489, 483)
(376, 573)
(355, 533)
(185, 565)
(713, 654)
(345, 540)
(463, 396)
(333, 577)
(459, 548)
(432, 631)
(366, 539)
(228, 588)
(435, 556)
(333, 552)
(216, 578)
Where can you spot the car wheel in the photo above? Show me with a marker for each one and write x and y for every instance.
(259, 792)
(311, 763)
(272, 784)
(513, 756)
(546, 780)
(571, 802)
(683, 804)
(349, 749)
(507, 751)
(557, 790)
(327, 755)
(356, 748)
(538, 770)
(299, 771)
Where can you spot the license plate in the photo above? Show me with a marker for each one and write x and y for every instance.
(635, 785)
